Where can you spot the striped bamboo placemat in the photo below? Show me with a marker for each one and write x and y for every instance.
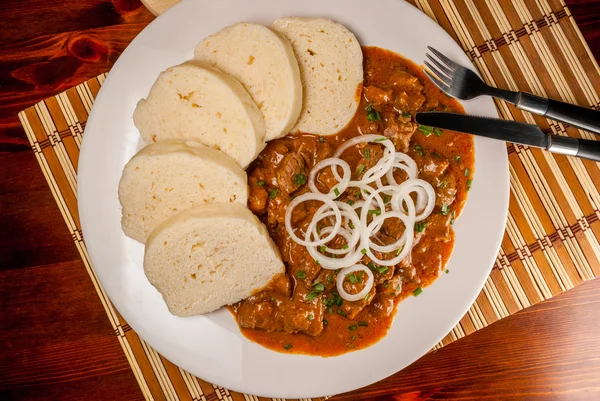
(551, 242)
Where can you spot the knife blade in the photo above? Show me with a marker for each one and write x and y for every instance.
(511, 131)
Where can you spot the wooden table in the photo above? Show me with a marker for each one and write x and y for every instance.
(55, 340)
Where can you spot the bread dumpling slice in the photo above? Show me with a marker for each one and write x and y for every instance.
(168, 177)
(331, 67)
(198, 102)
(264, 63)
(210, 256)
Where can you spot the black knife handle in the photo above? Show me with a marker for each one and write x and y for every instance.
(584, 148)
(581, 117)
(589, 149)
(584, 118)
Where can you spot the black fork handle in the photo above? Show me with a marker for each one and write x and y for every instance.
(581, 117)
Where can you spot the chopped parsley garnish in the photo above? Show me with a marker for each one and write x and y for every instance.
(325, 322)
(352, 278)
(301, 274)
(378, 269)
(375, 212)
(350, 202)
(353, 327)
(335, 300)
(261, 183)
(420, 227)
(418, 149)
(273, 193)
(417, 291)
(443, 184)
(447, 271)
(310, 317)
(363, 251)
(312, 295)
(368, 154)
(319, 287)
(363, 324)
(351, 225)
(445, 210)
(406, 115)
(467, 172)
(344, 246)
(321, 139)
(360, 169)
(372, 114)
(299, 179)
(336, 191)
(469, 183)
(399, 251)
(436, 154)
(457, 158)
(288, 346)
(322, 248)
(386, 198)
(437, 132)
(342, 313)
(426, 130)
(329, 279)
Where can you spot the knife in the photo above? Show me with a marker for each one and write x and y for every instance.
(512, 131)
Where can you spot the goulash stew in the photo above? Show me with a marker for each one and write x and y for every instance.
(301, 311)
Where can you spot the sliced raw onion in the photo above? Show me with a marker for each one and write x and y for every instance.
(308, 197)
(401, 252)
(351, 269)
(351, 221)
(338, 189)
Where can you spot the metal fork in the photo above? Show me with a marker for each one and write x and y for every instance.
(462, 83)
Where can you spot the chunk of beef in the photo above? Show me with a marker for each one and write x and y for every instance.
(323, 151)
(445, 190)
(327, 278)
(261, 311)
(282, 285)
(399, 133)
(303, 263)
(377, 96)
(291, 173)
(302, 315)
(351, 309)
(404, 80)
(273, 153)
(326, 180)
(382, 306)
(393, 286)
(408, 102)
(371, 154)
(258, 200)
(433, 165)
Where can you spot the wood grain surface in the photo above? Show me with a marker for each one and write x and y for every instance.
(55, 340)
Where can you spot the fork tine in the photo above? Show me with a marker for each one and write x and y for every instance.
(445, 70)
(442, 77)
(445, 59)
(437, 82)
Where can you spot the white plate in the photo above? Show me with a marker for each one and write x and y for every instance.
(211, 346)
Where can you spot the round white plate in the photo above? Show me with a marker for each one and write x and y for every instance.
(211, 346)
